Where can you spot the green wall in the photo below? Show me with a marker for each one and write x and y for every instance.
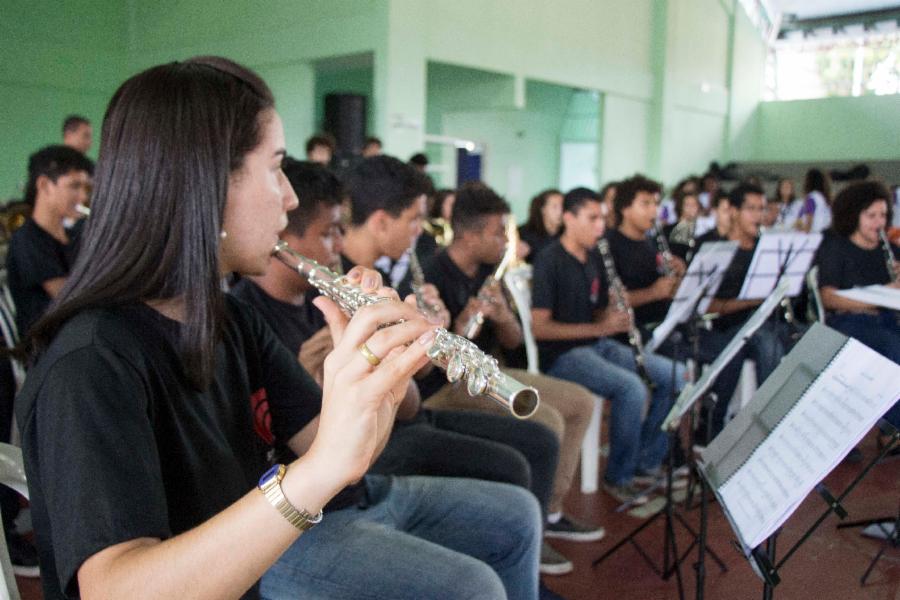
(57, 59)
(864, 128)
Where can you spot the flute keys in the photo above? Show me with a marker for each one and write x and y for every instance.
(477, 382)
(456, 368)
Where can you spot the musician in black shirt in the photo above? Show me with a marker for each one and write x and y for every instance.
(747, 203)
(573, 322)
(155, 398)
(42, 251)
(853, 255)
(639, 261)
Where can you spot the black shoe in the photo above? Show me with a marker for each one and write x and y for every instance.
(23, 556)
(571, 529)
(545, 593)
(552, 562)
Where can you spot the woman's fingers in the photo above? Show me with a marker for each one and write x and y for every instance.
(334, 316)
(380, 345)
(401, 366)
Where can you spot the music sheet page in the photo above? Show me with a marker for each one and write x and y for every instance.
(836, 411)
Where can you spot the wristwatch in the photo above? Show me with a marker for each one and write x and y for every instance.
(270, 485)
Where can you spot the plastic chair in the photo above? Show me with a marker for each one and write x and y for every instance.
(518, 282)
(812, 283)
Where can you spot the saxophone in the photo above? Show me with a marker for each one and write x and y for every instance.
(458, 356)
(683, 233)
(635, 340)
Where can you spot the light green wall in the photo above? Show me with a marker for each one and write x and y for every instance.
(57, 59)
(355, 80)
(861, 128)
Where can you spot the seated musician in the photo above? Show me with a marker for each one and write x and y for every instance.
(640, 262)
(544, 222)
(855, 255)
(155, 399)
(746, 204)
(480, 221)
(574, 324)
(682, 234)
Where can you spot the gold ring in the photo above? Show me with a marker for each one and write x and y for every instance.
(369, 355)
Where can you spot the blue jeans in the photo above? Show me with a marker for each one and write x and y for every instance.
(765, 348)
(607, 368)
(879, 332)
(417, 537)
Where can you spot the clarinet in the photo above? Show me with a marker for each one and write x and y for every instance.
(889, 259)
(458, 356)
(668, 266)
(418, 280)
(635, 340)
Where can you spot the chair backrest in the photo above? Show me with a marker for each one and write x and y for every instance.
(812, 284)
(518, 282)
(12, 474)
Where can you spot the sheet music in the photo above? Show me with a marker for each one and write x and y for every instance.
(711, 261)
(879, 295)
(693, 391)
(834, 414)
(774, 251)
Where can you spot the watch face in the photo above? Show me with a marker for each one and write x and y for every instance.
(269, 474)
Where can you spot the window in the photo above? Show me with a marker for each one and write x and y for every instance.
(864, 64)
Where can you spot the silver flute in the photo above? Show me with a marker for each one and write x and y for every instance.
(635, 340)
(458, 356)
(418, 281)
(889, 259)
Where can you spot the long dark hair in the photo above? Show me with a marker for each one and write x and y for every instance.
(535, 222)
(817, 181)
(171, 136)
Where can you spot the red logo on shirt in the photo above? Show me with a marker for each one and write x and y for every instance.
(262, 419)
(595, 290)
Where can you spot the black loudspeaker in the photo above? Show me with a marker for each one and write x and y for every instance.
(345, 119)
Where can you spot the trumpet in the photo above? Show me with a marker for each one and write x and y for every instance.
(635, 340)
(461, 359)
(889, 259)
(475, 322)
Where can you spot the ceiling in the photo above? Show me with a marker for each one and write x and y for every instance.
(809, 9)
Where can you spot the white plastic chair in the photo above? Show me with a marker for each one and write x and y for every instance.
(518, 282)
(12, 475)
(812, 283)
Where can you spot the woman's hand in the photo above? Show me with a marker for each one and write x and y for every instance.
(359, 399)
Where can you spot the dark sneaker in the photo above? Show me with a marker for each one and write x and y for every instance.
(545, 593)
(627, 493)
(23, 556)
(571, 529)
(554, 563)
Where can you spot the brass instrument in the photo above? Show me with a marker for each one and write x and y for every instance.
(668, 265)
(458, 356)
(889, 259)
(476, 321)
(635, 340)
(418, 280)
(440, 230)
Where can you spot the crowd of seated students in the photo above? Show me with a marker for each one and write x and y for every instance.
(155, 401)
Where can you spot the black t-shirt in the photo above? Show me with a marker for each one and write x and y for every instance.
(843, 264)
(293, 324)
(637, 263)
(34, 257)
(731, 285)
(572, 290)
(536, 241)
(119, 445)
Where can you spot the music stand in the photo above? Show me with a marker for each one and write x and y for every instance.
(779, 256)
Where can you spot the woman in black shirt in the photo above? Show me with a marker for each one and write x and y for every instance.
(544, 222)
(852, 255)
(154, 400)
